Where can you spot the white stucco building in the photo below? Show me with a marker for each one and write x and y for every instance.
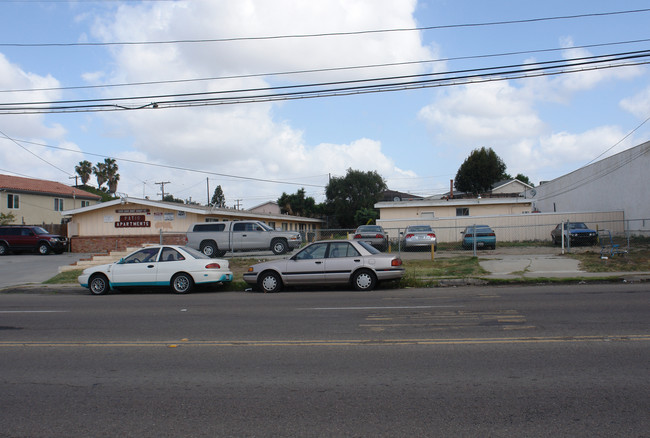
(620, 182)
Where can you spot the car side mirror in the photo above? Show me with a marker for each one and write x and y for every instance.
(121, 261)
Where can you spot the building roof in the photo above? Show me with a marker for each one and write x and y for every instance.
(42, 187)
(394, 195)
(191, 208)
(457, 202)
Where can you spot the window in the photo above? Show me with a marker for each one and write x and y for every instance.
(58, 204)
(210, 227)
(342, 249)
(171, 255)
(85, 203)
(462, 211)
(13, 201)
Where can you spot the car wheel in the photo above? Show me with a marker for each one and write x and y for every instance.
(364, 280)
(269, 282)
(182, 283)
(279, 246)
(3, 249)
(209, 249)
(98, 284)
(43, 248)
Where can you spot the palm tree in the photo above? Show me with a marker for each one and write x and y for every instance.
(112, 177)
(100, 173)
(84, 170)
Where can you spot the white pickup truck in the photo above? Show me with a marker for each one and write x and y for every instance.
(214, 239)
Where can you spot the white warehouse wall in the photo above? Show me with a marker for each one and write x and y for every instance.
(619, 182)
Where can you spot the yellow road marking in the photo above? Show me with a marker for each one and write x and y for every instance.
(334, 343)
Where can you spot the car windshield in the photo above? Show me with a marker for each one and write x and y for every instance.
(39, 230)
(369, 229)
(368, 247)
(577, 226)
(266, 227)
(419, 228)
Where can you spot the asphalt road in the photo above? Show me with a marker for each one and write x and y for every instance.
(543, 361)
(27, 268)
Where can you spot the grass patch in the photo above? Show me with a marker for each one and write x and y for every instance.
(634, 261)
(65, 277)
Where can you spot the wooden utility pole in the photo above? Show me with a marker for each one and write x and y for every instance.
(162, 187)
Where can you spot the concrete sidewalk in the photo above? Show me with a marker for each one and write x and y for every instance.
(536, 262)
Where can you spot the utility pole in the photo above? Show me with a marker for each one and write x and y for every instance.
(162, 187)
(75, 179)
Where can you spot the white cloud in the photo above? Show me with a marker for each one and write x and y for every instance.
(21, 152)
(480, 114)
(639, 104)
(247, 139)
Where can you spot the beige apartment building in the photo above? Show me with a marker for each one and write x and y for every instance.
(37, 202)
(128, 222)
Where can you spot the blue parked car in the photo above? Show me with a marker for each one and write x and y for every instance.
(482, 234)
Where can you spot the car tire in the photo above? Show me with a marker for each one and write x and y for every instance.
(209, 249)
(269, 282)
(44, 248)
(98, 284)
(279, 246)
(364, 280)
(4, 250)
(182, 283)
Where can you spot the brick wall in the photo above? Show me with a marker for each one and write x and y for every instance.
(105, 244)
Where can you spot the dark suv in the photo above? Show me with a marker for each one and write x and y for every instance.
(30, 238)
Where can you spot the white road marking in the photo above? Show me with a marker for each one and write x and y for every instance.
(377, 308)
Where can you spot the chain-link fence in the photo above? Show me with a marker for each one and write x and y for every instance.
(481, 236)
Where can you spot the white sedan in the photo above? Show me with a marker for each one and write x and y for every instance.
(178, 267)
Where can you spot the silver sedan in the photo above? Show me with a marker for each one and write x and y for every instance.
(419, 236)
(328, 262)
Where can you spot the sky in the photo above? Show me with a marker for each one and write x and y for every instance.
(485, 63)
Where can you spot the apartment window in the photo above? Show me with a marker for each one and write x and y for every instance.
(58, 204)
(85, 203)
(462, 211)
(13, 201)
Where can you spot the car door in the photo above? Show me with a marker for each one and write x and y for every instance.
(247, 236)
(307, 267)
(25, 239)
(341, 261)
(138, 269)
(170, 262)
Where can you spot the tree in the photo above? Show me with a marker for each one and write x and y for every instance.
(480, 171)
(218, 198)
(366, 216)
(297, 204)
(523, 178)
(84, 170)
(170, 198)
(353, 192)
(100, 173)
(7, 218)
(112, 177)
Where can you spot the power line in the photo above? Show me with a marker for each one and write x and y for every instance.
(339, 88)
(329, 69)
(205, 172)
(328, 34)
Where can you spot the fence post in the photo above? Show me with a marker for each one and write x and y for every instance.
(474, 238)
(161, 236)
